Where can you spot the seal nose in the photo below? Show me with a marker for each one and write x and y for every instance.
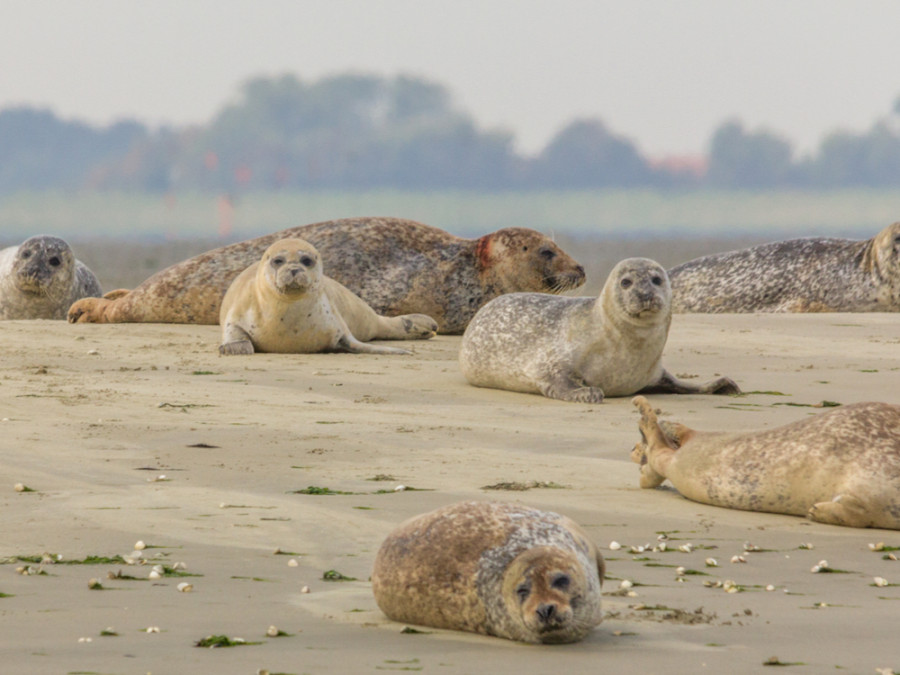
(546, 612)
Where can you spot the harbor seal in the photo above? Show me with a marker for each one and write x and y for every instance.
(41, 278)
(798, 275)
(497, 569)
(841, 467)
(284, 303)
(396, 266)
(580, 349)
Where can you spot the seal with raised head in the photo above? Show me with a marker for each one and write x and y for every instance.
(284, 303)
(580, 349)
(841, 467)
(396, 266)
(41, 278)
(497, 569)
(814, 274)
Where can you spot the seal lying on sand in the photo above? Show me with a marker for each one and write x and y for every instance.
(396, 266)
(285, 303)
(41, 278)
(841, 467)
(798, 275)
(497, 569)
(580, 349)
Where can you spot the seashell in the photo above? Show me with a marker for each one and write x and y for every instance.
(750, 547)
(663, 546)
(686, 548)
(891, 556)
(821, 604)
(637, 549)
(880, 581)
(807, 546)
(305, 589)
(185, 587)
(614, 546)
(159, 569)
(179, 566)
(139, 545)
(625, 583)
(19, 487)
(770, 587)
(711, 562)
(136, 555)
(85, 639)
(400, 488)
(680, 571)
(662, 537)
(877, 547)
(292, 562)
(738, 559)
(152, 629)
(94, 584)
(154, 575)
(631, 594)
(272, 631)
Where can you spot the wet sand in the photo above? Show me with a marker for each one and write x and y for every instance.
(142, 432)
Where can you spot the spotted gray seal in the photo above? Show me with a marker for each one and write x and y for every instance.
(497, 569)
(797, 275)
(41, 278)
(396, 266)
(284, 303)
(580, 349)
(841, 467)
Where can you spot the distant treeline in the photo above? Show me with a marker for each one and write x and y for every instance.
(369, 132)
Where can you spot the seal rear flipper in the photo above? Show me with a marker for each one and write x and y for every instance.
(563, 387)
(844, 509)
(116, 294)
(348, 343)
(88, 310)
(669, 384)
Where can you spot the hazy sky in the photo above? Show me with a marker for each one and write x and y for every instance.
(665, 73)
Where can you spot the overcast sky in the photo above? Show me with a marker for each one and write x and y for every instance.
(664, 73)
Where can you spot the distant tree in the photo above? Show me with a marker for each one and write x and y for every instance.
(850, 160)
(586, 155)
(738, 159)
(39, 151)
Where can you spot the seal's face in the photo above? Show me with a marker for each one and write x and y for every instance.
(42, 265)
(545, 588)
(526, 260)
(640, 288)
(291, 266)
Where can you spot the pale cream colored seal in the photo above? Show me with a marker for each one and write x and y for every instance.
(841, 467)
(498, 569)
(396, 266)
(285, 304)
(815, 274)
(580, 349)
(41, 278)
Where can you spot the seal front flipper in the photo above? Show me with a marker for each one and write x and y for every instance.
(564, 387)
(669, 384)
(235, 341)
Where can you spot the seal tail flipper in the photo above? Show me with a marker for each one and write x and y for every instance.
(88, 310)
(649, 424)
(116, 294)
(842, 510)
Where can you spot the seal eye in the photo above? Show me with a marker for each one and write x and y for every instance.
(656, 281)
(277, 261)
(523, 591)
(547, 254)
(26, 254)
(54, 261)
(561, 583)
(625, 283)
(306, 261)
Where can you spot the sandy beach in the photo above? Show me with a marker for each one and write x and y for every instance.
(130, 433)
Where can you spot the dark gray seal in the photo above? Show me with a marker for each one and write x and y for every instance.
(396, 266)
(580, 349)
(491, 568)
(40, 279)
(797, 275)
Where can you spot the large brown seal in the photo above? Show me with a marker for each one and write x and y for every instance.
(284, 303)
(798, 275)
(41, 278)
(841, 467)
(396, 266)
(580, 349)
(498, 569)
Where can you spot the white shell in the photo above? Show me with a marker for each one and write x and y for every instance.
(139, 545)
(680, 570)
(614, 546)
(19, 487)
(292, 563)
(305, 589)
(154, 575)
(880, 581)
(625, 583)
(711, 562)
(738, 559)
(272, 631)
(185, 587)
(770, 587)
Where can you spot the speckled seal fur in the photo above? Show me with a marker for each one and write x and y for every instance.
(41, 278)
(841, 467)
(396, 266)
(497, 569)
(580, 349)
(798, 275)
(284, 303)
